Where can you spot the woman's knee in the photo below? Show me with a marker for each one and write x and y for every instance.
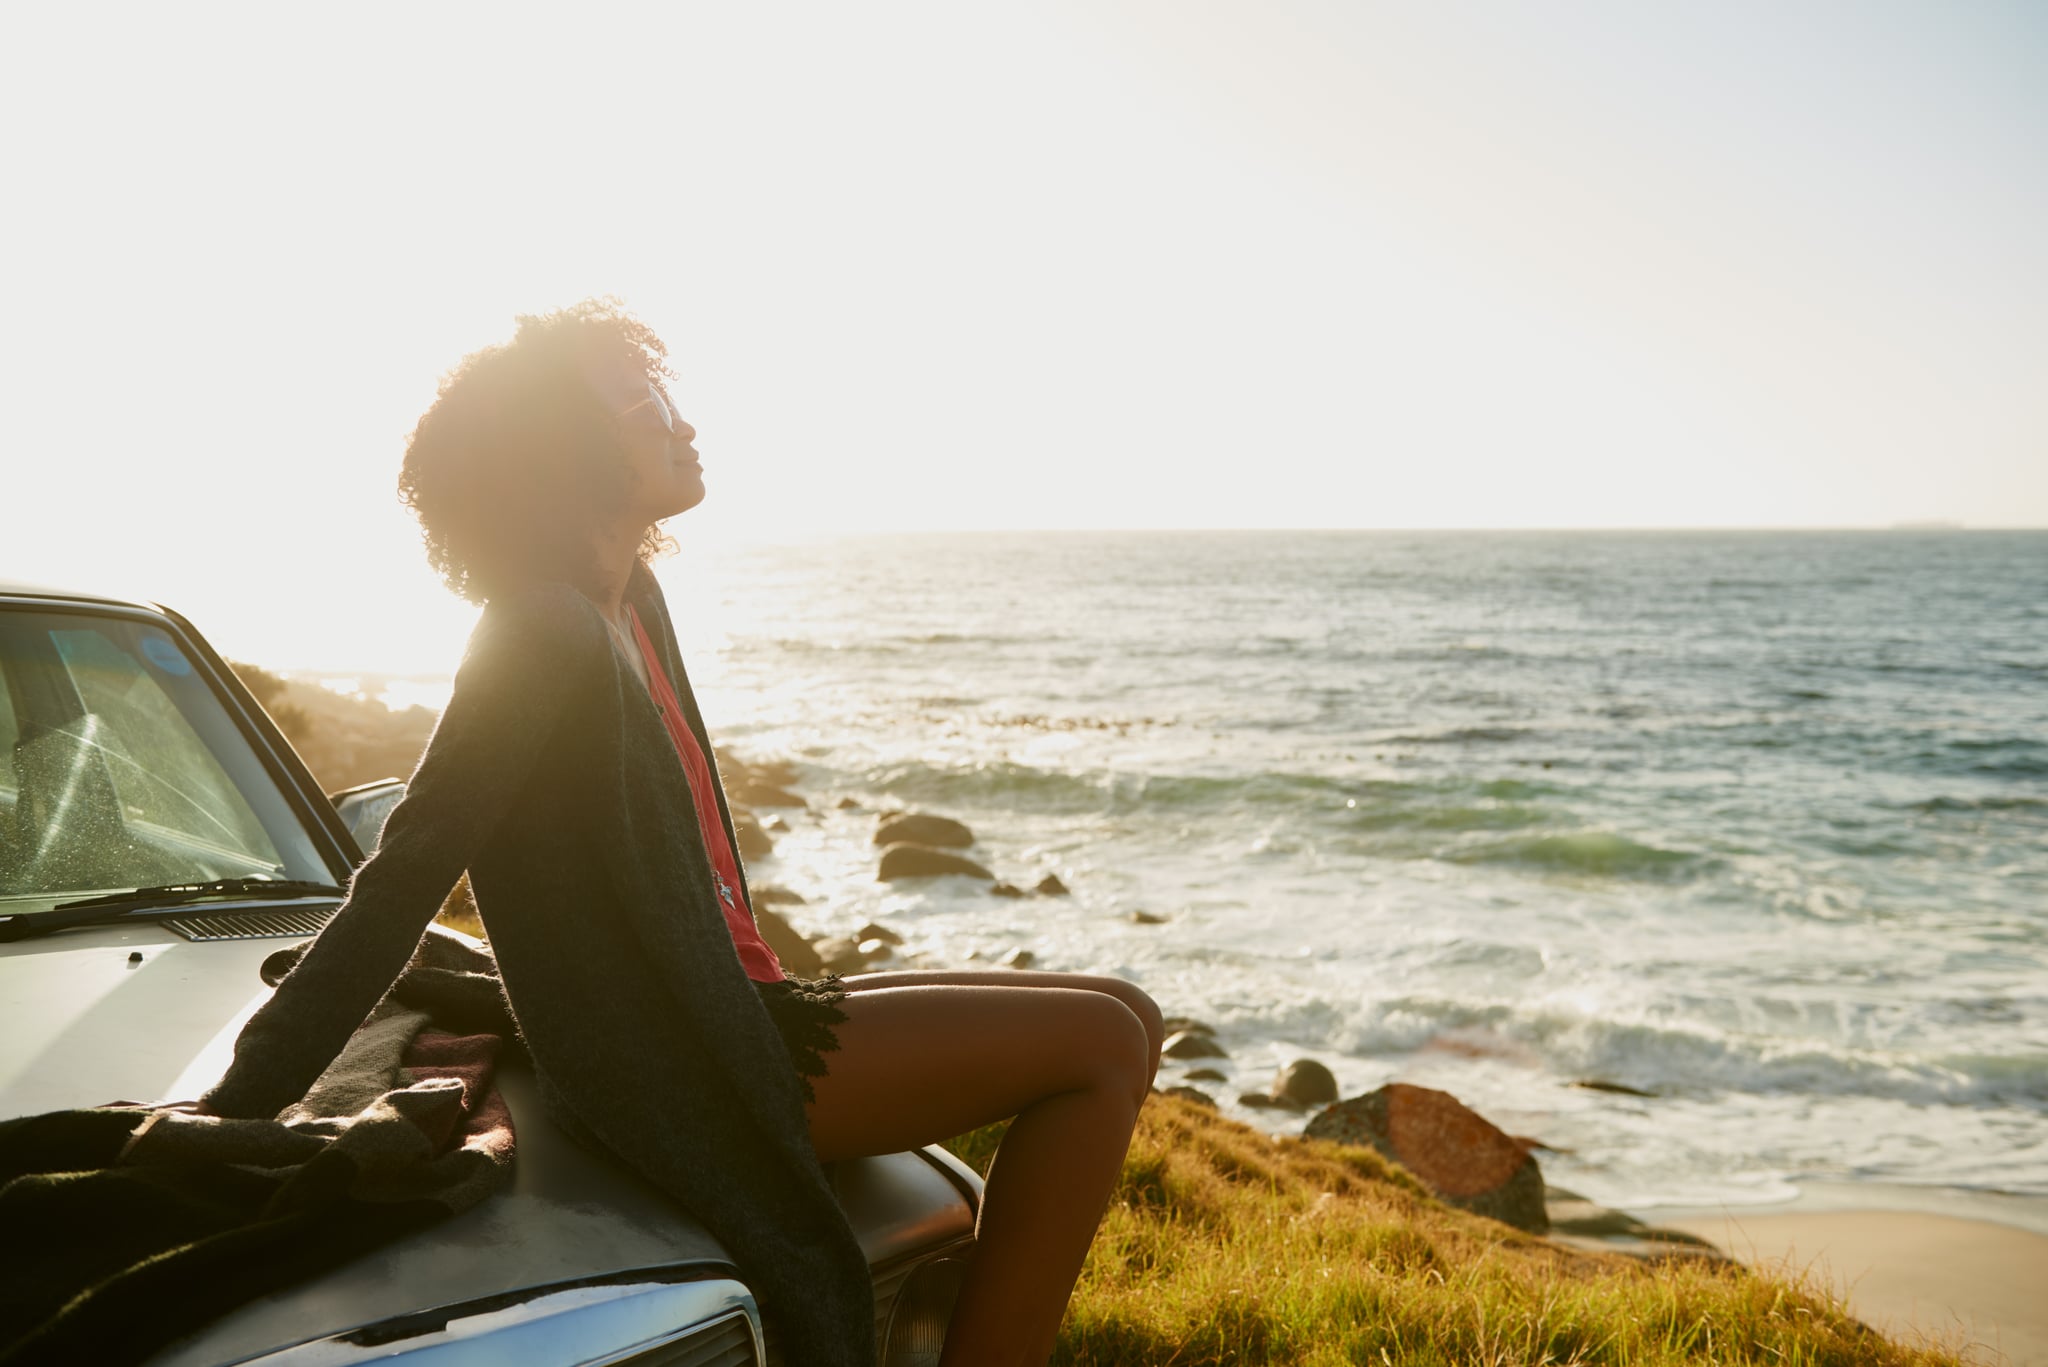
(1121, 1046)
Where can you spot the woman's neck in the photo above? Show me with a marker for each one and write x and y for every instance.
(616, 557)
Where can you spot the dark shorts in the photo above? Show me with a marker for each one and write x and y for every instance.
(804, 1013)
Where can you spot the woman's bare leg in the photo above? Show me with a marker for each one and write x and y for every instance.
(925, 1062)
(1130, 994)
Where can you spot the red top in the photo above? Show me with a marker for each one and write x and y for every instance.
(755, 956)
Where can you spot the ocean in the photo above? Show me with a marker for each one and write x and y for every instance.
(1751, 824)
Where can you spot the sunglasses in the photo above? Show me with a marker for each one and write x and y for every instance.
(660, 406)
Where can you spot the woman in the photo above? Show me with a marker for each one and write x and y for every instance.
(570, 775)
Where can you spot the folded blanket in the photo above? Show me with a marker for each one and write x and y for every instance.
(128, 1227)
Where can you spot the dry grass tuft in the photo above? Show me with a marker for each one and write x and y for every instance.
(1223, 1245)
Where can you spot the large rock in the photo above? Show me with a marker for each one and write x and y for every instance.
(841, 955)
(792, 949)
(1191, 1044)
(1460, 1155)
(756, 792)
(755, 843)
(1306, 1082)
(921, 828)
(906, 860)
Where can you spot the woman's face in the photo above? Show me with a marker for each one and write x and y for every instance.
(666, 476)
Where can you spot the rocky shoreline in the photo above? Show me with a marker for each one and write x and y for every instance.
(1461, 1157)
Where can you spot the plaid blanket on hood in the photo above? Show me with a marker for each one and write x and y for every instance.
(129, 1226)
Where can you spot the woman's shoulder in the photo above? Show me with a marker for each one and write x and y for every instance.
(549, 620)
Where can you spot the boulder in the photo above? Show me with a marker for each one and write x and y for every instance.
(1189, 1044)
(847, 804)
(873, 951)
(1018, 958)
(1146, 918)
(920, 828)
(734, 769)
(1457, 1153)
(756, 792)
(875, 930)
(754, 842)
(1206, 1075)
(1266, 1100)
(792, 949)
(1050, 886)
(778, 825)
(1306, 1082)
(905, 860)
(841, 955)
(775, 895)
(1194, 1094)
(1006, 890)
(1174, 1024)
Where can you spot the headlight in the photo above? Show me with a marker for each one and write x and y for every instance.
(923, 1308)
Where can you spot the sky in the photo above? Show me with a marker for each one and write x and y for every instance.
(1070, 264)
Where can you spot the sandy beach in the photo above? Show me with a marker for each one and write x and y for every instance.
(1911, 1274)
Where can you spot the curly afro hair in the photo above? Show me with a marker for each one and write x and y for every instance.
(520, 458)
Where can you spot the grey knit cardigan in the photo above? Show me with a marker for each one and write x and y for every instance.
(551, 779)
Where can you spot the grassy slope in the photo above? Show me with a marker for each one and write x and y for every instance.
(1224, 1245)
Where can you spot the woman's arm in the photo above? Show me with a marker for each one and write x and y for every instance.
(531, 654)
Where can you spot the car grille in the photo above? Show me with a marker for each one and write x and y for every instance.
(252, 925)
(724, 1343)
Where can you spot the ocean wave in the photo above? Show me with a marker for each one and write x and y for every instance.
(1458, 735)
(1979, 804)
(1688, 1058)
(1587, 852)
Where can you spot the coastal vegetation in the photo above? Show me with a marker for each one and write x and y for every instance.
(1225, 1245)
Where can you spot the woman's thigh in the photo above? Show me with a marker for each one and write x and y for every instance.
(926, 1061)
(1130, 994)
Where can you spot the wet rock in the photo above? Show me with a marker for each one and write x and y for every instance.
(875, 930)
(1050, 886)
(758, 792)
(1460, 1155)
(1146, 918)
(1190, 1044)
(1206, 1075)
(905, 860)
(779, 826)
(1006, 890)
(1306, 1082)
(1019, 958)
(1194, 1094)
(792, 950)
(921, 828)
(753, 841)
(847, 804)
(1267, 1101)
(1175, 1024)
(775, 895)
(1617, 1088)
(873, 950)
(841, 955)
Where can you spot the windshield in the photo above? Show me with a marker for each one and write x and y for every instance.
(121, 768)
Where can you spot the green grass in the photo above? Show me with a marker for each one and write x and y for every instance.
(1225, 1245)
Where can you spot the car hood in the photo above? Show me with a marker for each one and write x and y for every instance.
(137, 1013)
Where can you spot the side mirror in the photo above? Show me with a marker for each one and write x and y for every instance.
(364, 807)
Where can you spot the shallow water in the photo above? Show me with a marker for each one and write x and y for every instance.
(1755, 822)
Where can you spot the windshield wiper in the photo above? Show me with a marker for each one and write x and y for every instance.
(63, 916)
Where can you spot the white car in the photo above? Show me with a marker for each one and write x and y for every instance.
(139, 776)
